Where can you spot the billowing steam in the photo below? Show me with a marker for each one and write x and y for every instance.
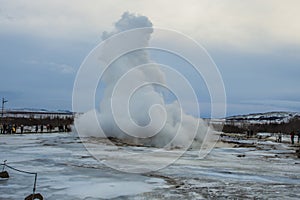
(147, 119)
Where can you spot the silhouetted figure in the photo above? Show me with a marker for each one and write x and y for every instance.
(292, 137)
(42, 128)
(4, 128)
(22, 128)
(298, 136)
(61, 128)
(36, 128)
(9, 129)
(280, 137)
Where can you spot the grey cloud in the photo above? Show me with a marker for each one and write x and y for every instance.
(58, 67)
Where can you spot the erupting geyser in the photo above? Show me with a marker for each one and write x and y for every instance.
(133, 108)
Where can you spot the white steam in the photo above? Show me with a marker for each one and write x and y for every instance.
(139, 115)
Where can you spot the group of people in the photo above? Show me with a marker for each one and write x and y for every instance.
(293, 137)
(49, 128)
(8, 128)
(292, 134)
(12, 128)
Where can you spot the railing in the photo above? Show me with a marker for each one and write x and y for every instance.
(4, 174)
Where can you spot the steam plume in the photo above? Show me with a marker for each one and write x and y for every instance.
(147, 105)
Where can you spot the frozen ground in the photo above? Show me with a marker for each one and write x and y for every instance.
(262, 170)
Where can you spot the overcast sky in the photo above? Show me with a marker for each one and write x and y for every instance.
(255, 44)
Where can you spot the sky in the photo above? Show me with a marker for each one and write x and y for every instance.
(255, 45)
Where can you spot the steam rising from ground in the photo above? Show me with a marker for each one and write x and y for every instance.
(139, 115)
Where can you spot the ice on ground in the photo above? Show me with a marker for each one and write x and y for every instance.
(67, 171)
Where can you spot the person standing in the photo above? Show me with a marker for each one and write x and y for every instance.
(9, 129)
(66, 128)
(36, 128)
(4, 128)
(22, 128)
(14, 128)
(298, 136)
(280, 137)
(42, 128)
(292, 137)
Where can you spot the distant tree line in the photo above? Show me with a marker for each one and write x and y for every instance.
(272, 127)
(31, 121)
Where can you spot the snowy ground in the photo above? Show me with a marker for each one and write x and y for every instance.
(262, 170)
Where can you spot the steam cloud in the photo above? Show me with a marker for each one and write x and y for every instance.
(170, 126)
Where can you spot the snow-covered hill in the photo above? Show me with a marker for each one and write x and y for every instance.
(37, 110)
(260, 118)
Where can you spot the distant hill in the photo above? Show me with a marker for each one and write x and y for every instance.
(38, 110)
(268, 117)
(272, 122)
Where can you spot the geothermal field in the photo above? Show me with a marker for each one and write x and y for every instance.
(237, 168)
(137, 100)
